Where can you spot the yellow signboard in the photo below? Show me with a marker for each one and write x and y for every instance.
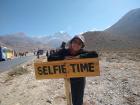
(67, 68)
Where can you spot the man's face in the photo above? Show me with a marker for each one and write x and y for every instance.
(76, 44)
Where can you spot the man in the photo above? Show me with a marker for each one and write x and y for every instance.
(75, 50)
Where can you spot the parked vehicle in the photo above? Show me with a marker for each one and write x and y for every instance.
(6, 53)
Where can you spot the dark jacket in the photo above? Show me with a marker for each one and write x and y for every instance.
(77, 84)
(61, 54)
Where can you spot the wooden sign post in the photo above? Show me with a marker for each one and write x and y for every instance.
(67, 69)
(68, 91)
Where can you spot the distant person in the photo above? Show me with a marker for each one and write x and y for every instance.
(75, 50)
(47, 53)
(50, 52)
(63, 45)
(53, 51)
(38, 54)
(34, 52)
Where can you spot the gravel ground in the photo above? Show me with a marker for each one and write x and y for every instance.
(119, 84)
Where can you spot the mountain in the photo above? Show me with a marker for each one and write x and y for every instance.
(21, 42)
(125, 34)
(128, 25)
(1, 44)
(18, 41)
(54, 41)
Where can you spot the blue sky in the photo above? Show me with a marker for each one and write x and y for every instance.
(46, 17)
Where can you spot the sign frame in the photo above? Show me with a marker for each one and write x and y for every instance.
(65, 70)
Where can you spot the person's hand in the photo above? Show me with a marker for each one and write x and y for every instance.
(68, 57)
(71, 57)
